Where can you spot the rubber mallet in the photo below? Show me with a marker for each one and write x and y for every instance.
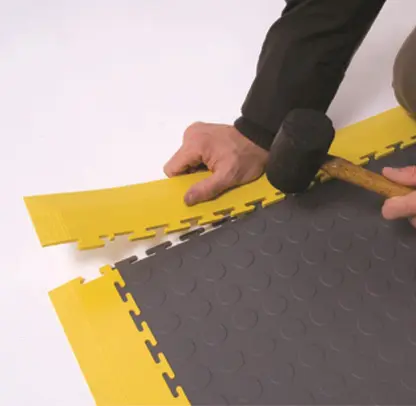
(300, 150)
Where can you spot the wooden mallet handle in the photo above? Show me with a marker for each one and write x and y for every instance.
(344, 170)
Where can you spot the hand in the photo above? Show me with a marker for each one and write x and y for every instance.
(231, 157)
(403, 206)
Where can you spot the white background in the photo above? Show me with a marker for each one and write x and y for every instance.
(97, 94)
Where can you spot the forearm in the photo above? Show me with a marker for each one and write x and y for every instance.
(303, 61)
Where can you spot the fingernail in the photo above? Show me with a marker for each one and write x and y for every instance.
(189, 199)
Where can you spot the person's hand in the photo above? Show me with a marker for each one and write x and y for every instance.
(403, 206)
(231, 157)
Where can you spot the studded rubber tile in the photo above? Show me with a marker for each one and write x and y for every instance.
(309, 301)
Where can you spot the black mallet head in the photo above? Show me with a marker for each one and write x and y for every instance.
(299, 149)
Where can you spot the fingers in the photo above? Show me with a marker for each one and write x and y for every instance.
(405, 176)
(182, 161)
(400, 207)
(208, 188)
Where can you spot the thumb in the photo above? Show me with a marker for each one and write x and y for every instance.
(405, 176)
(400, 207)
(208, 188)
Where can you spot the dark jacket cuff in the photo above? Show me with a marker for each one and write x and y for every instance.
(255, 133)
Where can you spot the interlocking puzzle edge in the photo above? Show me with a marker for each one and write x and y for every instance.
(89, 217)
(111, 352)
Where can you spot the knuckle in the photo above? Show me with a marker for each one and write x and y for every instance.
(196, 124)
(195, 138)
(193, 129)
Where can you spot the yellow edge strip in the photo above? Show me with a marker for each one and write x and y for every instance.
(89, 216)
(109, 348)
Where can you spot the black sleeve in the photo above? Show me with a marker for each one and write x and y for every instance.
(303, 61)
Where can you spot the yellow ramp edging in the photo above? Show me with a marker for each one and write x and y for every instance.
(86, 217)
(111, 351)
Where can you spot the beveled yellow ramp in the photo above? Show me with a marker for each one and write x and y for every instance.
(110, 350)
(87, 217)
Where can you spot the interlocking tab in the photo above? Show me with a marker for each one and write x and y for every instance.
(112, 353)
(146, 335)
(90, 217)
